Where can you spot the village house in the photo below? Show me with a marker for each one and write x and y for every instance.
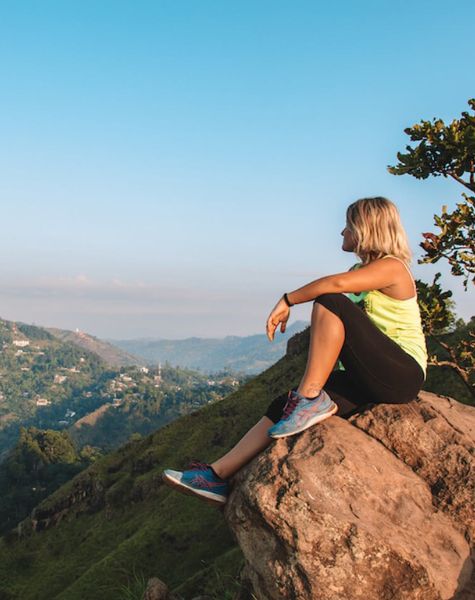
(42, 402)
(21, 343)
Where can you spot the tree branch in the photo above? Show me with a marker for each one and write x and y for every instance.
(470, 185)
(453, 364)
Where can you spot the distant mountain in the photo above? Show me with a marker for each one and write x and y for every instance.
(111, 355)
(251, 354)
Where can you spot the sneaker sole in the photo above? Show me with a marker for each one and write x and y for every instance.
(311, 423)
(208, 497)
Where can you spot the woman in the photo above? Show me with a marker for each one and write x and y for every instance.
(374, 334)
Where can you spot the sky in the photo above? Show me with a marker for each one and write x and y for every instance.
(170, 168)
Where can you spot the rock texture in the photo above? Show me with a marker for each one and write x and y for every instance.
(378, 507)
(157, 590)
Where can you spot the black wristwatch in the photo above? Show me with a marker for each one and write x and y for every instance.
(286, 300)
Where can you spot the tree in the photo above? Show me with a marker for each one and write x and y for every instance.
(438, 322)
(447, 151)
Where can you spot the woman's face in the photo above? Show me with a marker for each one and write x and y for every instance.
(348, 244)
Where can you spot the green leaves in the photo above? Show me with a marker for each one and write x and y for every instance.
(456, 240)
(448, 151)
(436, 307)
(442, 150)
(438, 320)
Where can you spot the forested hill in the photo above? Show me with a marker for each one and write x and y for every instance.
(41, 377)
(110, 354)
(251, 354)
(62, 407)
(114, 525)
(52, 384)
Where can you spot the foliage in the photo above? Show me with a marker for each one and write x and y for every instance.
(436, 307)
(40, 462)
(34, 333)
(438, 321)
(448, 151)
(451, 362)
(153, 530)
(456, 242)
(111, 407)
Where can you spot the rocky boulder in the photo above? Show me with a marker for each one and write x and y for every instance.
(380, 506)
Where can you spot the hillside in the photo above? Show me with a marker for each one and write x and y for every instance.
(54, 393)
(250, 354)
(116, 524)
(40, 462)
(110, 354)
(139, 401)
(44, 382)
(116, 518)
(49, 381)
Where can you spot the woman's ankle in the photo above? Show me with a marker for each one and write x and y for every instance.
(217, 471)
(308, 391)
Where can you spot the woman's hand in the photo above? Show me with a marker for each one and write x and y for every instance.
(279, 315)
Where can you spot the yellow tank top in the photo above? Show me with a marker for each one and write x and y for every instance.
(400, 320)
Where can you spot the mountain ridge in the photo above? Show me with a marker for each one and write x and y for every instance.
(249, 354)
(110, 354)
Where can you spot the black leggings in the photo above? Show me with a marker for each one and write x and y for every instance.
(377, 370)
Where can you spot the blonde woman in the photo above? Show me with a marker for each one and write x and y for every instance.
(366, 322)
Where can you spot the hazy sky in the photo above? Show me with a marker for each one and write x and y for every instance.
(169, 168)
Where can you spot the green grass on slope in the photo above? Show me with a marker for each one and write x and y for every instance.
(146, 529)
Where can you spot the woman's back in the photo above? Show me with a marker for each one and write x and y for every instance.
(399, 318)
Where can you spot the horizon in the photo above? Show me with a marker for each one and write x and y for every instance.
(170, 170)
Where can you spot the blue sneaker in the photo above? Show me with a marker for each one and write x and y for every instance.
(198, 480)
(300, 413)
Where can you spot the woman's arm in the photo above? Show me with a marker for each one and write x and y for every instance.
(378, 274)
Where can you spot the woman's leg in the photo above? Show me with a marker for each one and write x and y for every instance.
(377, 369)
(374, 362)
(327, 335)
(341, 388)
(249, 446)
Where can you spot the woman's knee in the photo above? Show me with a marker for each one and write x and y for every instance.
(332, 302)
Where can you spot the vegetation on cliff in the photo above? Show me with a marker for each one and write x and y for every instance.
(116, 517)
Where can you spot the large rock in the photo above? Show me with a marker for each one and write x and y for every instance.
(378, 507)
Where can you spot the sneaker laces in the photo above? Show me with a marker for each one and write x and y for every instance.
(290, 405)
(196, 465)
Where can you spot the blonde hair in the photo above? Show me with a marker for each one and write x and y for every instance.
(377, 230)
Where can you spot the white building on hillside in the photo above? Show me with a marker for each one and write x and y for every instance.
(42, 402)
(21, 343)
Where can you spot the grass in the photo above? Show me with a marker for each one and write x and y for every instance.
(145, 529)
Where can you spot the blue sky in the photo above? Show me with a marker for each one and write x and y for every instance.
(170, 168)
